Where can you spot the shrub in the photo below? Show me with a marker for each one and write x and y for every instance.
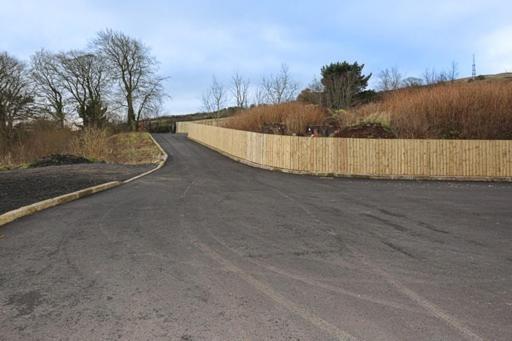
(295, 116)
(42, 138)
(91, 143)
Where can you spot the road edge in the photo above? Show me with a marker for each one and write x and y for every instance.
(163, 160)
(24, 211)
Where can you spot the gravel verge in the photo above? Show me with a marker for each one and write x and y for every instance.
(23, 187)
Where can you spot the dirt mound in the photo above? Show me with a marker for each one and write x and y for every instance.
(366, 130)
(59, 160)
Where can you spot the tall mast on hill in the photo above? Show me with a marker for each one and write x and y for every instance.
(473, 75)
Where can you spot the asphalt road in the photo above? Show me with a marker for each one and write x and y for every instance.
(209, 249)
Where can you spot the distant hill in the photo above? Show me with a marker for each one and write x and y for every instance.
(197, 116)
(505, 76)
(164, 123)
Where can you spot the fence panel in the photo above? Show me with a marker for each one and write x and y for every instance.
(361, 157)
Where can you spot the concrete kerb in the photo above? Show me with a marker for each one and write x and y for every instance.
(162, 162)
(62, 199)
(65, 198)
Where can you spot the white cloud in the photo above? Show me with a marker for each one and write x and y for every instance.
(194, 39)
(496, 50)
(26, 26)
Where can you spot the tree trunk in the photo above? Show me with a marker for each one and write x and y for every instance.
(131, 112)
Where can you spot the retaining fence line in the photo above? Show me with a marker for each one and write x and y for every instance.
(389, 158)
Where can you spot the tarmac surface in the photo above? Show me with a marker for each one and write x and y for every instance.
(210, 249)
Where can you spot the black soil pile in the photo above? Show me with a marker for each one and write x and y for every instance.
(366, 130)
(59, 160)
(21, 187)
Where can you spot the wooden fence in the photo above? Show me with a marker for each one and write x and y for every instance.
(389, 158)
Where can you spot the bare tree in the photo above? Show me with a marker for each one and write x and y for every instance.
(85, 77)
(410, 82)
(150, 99)
(280, 88)
(313, 94)
(389, 79)
(430, 76)
(135, 70)
(240, 90)
(316, 85)
(214, 99)
(15, 96)
(44, 73)
(259, 96)
(453, 72)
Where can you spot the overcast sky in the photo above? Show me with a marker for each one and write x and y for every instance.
(194, 40)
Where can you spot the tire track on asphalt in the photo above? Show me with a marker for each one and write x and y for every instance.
(275, 296)
(316, 283)
(420, 300)
(435, 310)
(310, 281)
(261, 286)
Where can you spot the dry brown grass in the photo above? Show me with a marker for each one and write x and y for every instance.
(95, 144)
(28, 145)
(133, 148)
(295, 116)
(91, 143)
(477, 110)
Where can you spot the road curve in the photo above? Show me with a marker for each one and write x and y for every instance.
(209, 249)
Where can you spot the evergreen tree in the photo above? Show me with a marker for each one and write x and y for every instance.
(343, 82)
